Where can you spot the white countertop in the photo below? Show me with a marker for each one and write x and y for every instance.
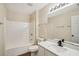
(60, 51)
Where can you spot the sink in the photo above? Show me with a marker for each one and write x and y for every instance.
(60, 51)
(54, 46)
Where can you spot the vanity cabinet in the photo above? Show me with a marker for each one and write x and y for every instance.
(40, 51)
(44, 52)
(48, 53)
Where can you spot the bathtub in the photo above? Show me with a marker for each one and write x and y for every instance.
(16, 51)
(22, 50)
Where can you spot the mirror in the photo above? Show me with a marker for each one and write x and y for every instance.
(59, 23)
(64, 24)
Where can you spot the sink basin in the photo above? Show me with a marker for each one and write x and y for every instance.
(54, 46)
(60, 51)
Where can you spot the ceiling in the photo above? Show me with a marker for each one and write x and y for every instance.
(25, 8)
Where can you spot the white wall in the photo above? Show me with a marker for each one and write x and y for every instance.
(1, 38)
(43, 20)
(2, 16)
(15, 16)
(17, 34)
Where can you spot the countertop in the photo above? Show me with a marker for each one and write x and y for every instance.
(60, 51)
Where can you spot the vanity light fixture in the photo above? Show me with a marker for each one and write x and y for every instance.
(57, 6)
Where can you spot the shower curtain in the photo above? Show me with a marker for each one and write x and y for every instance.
(17, 35)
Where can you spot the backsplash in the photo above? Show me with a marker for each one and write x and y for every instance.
(71, 45)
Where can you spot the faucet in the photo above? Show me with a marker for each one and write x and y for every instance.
(60, 42)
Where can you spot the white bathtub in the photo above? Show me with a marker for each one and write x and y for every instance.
(16, 51)
(21, 50)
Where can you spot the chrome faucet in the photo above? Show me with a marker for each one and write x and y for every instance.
(60, 42)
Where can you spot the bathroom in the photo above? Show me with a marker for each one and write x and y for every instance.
(39, 29)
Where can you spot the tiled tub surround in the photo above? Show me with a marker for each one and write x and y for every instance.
(67, 49)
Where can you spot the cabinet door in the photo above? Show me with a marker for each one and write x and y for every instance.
(41, 51)
(48, 53)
